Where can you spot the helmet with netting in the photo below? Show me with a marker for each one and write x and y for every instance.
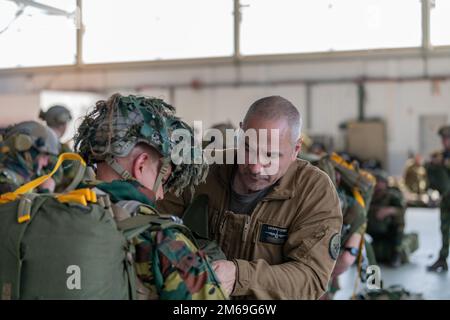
(117, 125)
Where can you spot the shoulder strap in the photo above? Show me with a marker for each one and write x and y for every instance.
(79, 175)
(133, 218)
(134, 226)
(132, 207)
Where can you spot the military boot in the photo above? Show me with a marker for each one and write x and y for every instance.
(439, 266)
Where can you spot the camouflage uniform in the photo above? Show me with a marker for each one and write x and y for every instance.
(167, 262)
(388, 233)
(353, 208)
(177, 269)
(355, 189)
(438, 171)
(354, 222)
(354, 215)
(21, 145)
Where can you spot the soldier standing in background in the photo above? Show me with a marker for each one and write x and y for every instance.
(57, 118)
(438, 171)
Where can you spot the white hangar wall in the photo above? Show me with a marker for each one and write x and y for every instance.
(326, 93)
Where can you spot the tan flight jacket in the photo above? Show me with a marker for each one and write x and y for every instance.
(283, 250)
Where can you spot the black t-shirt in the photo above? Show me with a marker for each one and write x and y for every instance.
(245, 203)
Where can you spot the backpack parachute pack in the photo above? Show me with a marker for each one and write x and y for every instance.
(71, 246)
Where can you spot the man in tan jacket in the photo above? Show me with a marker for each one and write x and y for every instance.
(280, 231)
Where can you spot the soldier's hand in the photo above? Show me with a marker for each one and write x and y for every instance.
(226, 272)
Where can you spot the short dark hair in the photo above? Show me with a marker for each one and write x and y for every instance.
(276, 107)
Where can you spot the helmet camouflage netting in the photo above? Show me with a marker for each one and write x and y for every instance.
(117, 125)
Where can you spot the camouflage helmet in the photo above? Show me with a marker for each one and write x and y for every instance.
(56, 115)
(117, 125)
(444, 131)
(29, 135)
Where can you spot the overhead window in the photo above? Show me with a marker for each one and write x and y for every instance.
(37, 33)
(137, 30)
(440, 23)
(299, 26)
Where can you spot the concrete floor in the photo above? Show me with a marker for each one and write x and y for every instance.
(413, 276)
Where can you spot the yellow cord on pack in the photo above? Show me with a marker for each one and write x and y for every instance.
(28, 187)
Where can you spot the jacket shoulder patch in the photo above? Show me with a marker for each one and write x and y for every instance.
(335, 246)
